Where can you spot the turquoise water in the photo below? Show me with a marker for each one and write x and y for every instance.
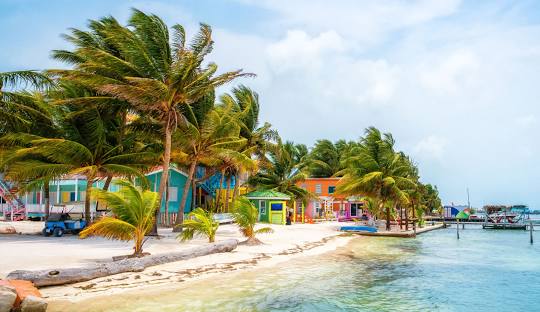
(483, 271)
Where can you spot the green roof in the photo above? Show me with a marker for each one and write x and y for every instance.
(267, 194)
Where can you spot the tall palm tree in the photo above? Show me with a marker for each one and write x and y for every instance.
(19, 110)
(133, 215)
(206, 142)
(158, 75)
(284, 171)
(374, 169)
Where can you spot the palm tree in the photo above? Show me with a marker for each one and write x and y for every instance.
(158, 75)
(206, 142)
(374, 169)
(326, 159)
(245, 104)
(84, 150)
(284, 171)
(199, 222)
(133, 210)
(19, 110)
(245, 215)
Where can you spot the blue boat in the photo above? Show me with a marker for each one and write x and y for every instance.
(358, 228)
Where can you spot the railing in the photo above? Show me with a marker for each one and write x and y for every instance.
(16, 210)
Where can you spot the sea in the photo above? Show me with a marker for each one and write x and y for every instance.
(484, 270)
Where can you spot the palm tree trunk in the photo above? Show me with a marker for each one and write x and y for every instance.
(193, 195)
(218, 194)
(105, 187)
(227, 194)
(166, 221)
(47, 195)
(236, 187)
(180, 218)
(89, 182)
(164, 175)
(406, 219)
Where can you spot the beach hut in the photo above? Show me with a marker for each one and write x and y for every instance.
(272, 205)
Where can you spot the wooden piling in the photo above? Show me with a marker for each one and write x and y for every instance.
(457, 228)
(531, 231)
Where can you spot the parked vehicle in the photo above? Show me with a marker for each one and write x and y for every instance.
(60, 223)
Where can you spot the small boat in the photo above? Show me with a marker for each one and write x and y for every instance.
(358, 228)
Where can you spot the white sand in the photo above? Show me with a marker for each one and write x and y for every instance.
(37, 252)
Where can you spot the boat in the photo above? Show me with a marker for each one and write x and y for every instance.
(506, 217)
(358, 228)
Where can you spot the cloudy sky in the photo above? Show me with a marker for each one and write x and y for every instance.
(456, 82)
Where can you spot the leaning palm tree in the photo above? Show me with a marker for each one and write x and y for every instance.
(201, 223)
(142, 65)
(206, 142)
(133, 215)
(84, 150)
(374, 169)
(245, 214)
(20, 111)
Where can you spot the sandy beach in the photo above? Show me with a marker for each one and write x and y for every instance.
(32, 252)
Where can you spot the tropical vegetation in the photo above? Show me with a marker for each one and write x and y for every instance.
(245, 215)
(132, 217)
(137, 96)
(200, 222)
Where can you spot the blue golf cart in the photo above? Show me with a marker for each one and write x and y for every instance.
(60, 223)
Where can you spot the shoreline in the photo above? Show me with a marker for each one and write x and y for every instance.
(181, 273)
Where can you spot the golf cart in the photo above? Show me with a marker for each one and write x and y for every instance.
(59, 223)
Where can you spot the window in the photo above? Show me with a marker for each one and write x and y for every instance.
(354, 208)
(262, 207)
(331, 189)
(72, 196)
(317, 207)
(318, 189)
(173, 194)
(276, 206)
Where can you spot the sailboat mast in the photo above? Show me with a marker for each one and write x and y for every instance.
(468, 199)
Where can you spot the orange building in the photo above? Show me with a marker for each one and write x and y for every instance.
(327, 204)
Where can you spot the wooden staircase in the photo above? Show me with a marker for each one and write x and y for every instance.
(16, 211)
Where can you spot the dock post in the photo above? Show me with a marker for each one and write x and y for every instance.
(531, 231)
(457, 228)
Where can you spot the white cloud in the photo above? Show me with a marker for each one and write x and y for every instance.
(526, 121)
(299, 50)
(450, 74)
(431, 147)
(366, 22)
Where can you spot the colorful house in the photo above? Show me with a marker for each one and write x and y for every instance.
(329, 205)
(177, 181)
(272, 205)
(68, 194)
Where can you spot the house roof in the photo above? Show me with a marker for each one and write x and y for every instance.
(267, 194)
(160, 169)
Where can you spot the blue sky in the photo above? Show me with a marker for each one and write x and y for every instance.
(456, 82)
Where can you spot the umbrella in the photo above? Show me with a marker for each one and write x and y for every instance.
(462, 215)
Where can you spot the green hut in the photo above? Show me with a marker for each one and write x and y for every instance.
(272, 205)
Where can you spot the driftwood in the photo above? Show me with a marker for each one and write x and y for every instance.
(74, 275)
